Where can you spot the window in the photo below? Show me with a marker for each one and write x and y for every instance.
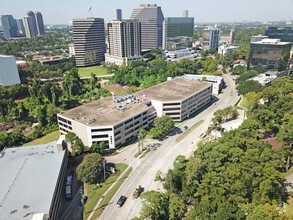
(102, 129)
(100, 136)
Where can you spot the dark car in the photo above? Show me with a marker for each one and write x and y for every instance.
(185, 128)
(121, 201)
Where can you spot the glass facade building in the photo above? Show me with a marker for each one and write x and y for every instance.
(285, 34)
(270, 54)
(177, 32)
(9, 26)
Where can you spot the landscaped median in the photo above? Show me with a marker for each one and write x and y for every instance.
(94, 195)
(182, 136)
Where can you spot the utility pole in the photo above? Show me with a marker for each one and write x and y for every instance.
(104, 172)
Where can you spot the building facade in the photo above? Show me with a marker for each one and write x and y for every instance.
(117, 120)
(8, 71)
(223, 49)
(124, 38)
(185, 14)
(269, 54)
(284, 34)
(118, 14)
(9, 26)
(151, 18)
(211, 38)
(177, 32)
(29, 27)
(39, 23)
(20, 26)
(89, 41)
(257, 38)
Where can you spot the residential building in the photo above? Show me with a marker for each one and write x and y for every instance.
(258, 38)
(217, 81)
(211, 38)
(118, 14)
(185, 14)
(177, 33)
(151, 18)
(117, 120)
(270, 54)
(8, 71)
(89, 41)
(284, 34)
(20, 26)
(9, 26)
(39, 23)
(32, 181)
(223, 49)
(228, 39)
(124, 38)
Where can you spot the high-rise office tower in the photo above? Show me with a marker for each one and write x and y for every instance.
(232, 36)
(118, 14)
(211, 38)
(28, 23)
(185, 13)
(285, 34)
(34, 24)
(9, 26)
(39, 23)
(124, 41)
(151, 18)
(20, 26)
(89, 41)
(177, 33)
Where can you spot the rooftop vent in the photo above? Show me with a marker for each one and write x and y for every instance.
(120, 107)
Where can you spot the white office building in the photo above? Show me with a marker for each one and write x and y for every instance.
(8, 71)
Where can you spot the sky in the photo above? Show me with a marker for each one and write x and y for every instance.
(216, 11)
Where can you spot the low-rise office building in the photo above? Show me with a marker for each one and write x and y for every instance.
(117, 120)
(32, 181)
(177, 55)
(223, 49)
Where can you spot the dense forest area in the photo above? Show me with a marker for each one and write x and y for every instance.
(238, 176)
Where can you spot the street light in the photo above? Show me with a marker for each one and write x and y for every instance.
(104, 172)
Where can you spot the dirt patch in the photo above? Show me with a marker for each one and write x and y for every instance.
(29, 130)
(6, 126)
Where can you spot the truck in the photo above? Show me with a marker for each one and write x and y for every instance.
(137, 192)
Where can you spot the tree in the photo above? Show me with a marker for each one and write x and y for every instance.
(72, 84)
(42, 115)
(99, 148)
(93, 81)
(176, 207)
(238, 70)
(141, 137)
(250, 86)
(91, 169)
(78, 147)
(155, 205)
(253, 98)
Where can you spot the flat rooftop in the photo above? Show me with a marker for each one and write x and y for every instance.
(271, 42)
(102, 112)
(29, 176)
(176, 89)
(199, 77)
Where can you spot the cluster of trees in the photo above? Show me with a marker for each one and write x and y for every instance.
(162, 126)
(76, 143)
(244, 85)
(239, 176)
(223, 115)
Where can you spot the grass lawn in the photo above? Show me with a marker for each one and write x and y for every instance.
(95, 195)
(189, 130)
(244, 102)
(86, 71)
(116, 88)
(289, 206)
(45, 139)
(110, 194)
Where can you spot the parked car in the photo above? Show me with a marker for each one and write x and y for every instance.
(185, 128)
(121, 201)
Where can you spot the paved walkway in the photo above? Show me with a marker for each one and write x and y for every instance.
(102, 197)
(289, 183)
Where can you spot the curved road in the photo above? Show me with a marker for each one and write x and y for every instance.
(144, 170)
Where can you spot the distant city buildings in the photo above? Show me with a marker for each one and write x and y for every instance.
(8, 71)
(89, 41)
(124, 37)
(185, 14)
(9, 26)
(177, 33)
(118, 14)
(20, 26)
(39, 23)
(269, 54)
(151, 18)
(211, 38)
(284, 34)
(30, 25)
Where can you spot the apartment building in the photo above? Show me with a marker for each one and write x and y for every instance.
(117, 120)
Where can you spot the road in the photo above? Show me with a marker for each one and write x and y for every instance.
(144, 170)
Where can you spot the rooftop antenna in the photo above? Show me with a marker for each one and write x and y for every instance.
(113, 98)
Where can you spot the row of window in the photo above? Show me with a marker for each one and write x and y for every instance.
(64, 125)
(64, 120)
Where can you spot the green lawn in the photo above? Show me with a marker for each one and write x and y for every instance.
(189, 130)
(110, 194)
(97, 70)
(116, 88)
(95, 195)
(45, 139)
(244, 102)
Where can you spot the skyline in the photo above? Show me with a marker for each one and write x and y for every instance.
(57, 12)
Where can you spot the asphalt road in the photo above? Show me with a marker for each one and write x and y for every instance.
(144, 170)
